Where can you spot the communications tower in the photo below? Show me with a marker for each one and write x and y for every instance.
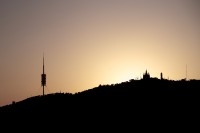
(43, 77)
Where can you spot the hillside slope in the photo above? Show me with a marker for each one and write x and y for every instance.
(131, 95)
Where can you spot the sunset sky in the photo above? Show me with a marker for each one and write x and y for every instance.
(92, 42)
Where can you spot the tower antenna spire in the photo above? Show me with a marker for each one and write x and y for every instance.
(186, 73)
(43, 63)
(43, 77)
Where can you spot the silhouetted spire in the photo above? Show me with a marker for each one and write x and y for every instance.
(43, 63)
(43, 77)
(186, 73)
(161, 76)
(146, 75)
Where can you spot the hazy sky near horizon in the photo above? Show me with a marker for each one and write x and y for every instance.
(92, 42)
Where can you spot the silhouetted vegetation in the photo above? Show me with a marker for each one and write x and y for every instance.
(133, 95)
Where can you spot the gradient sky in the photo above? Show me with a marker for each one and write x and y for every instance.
(92, 42)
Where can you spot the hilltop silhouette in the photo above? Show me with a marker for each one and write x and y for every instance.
(134, 95)
(148, 103)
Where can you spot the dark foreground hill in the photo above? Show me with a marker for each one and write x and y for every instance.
(136, 105)
(131, 96)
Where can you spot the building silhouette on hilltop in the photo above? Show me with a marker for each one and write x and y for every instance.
(146, 75)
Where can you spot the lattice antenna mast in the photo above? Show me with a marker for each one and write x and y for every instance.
(43, 77)
(186, 72)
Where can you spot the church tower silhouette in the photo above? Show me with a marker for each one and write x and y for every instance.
(146, 75)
